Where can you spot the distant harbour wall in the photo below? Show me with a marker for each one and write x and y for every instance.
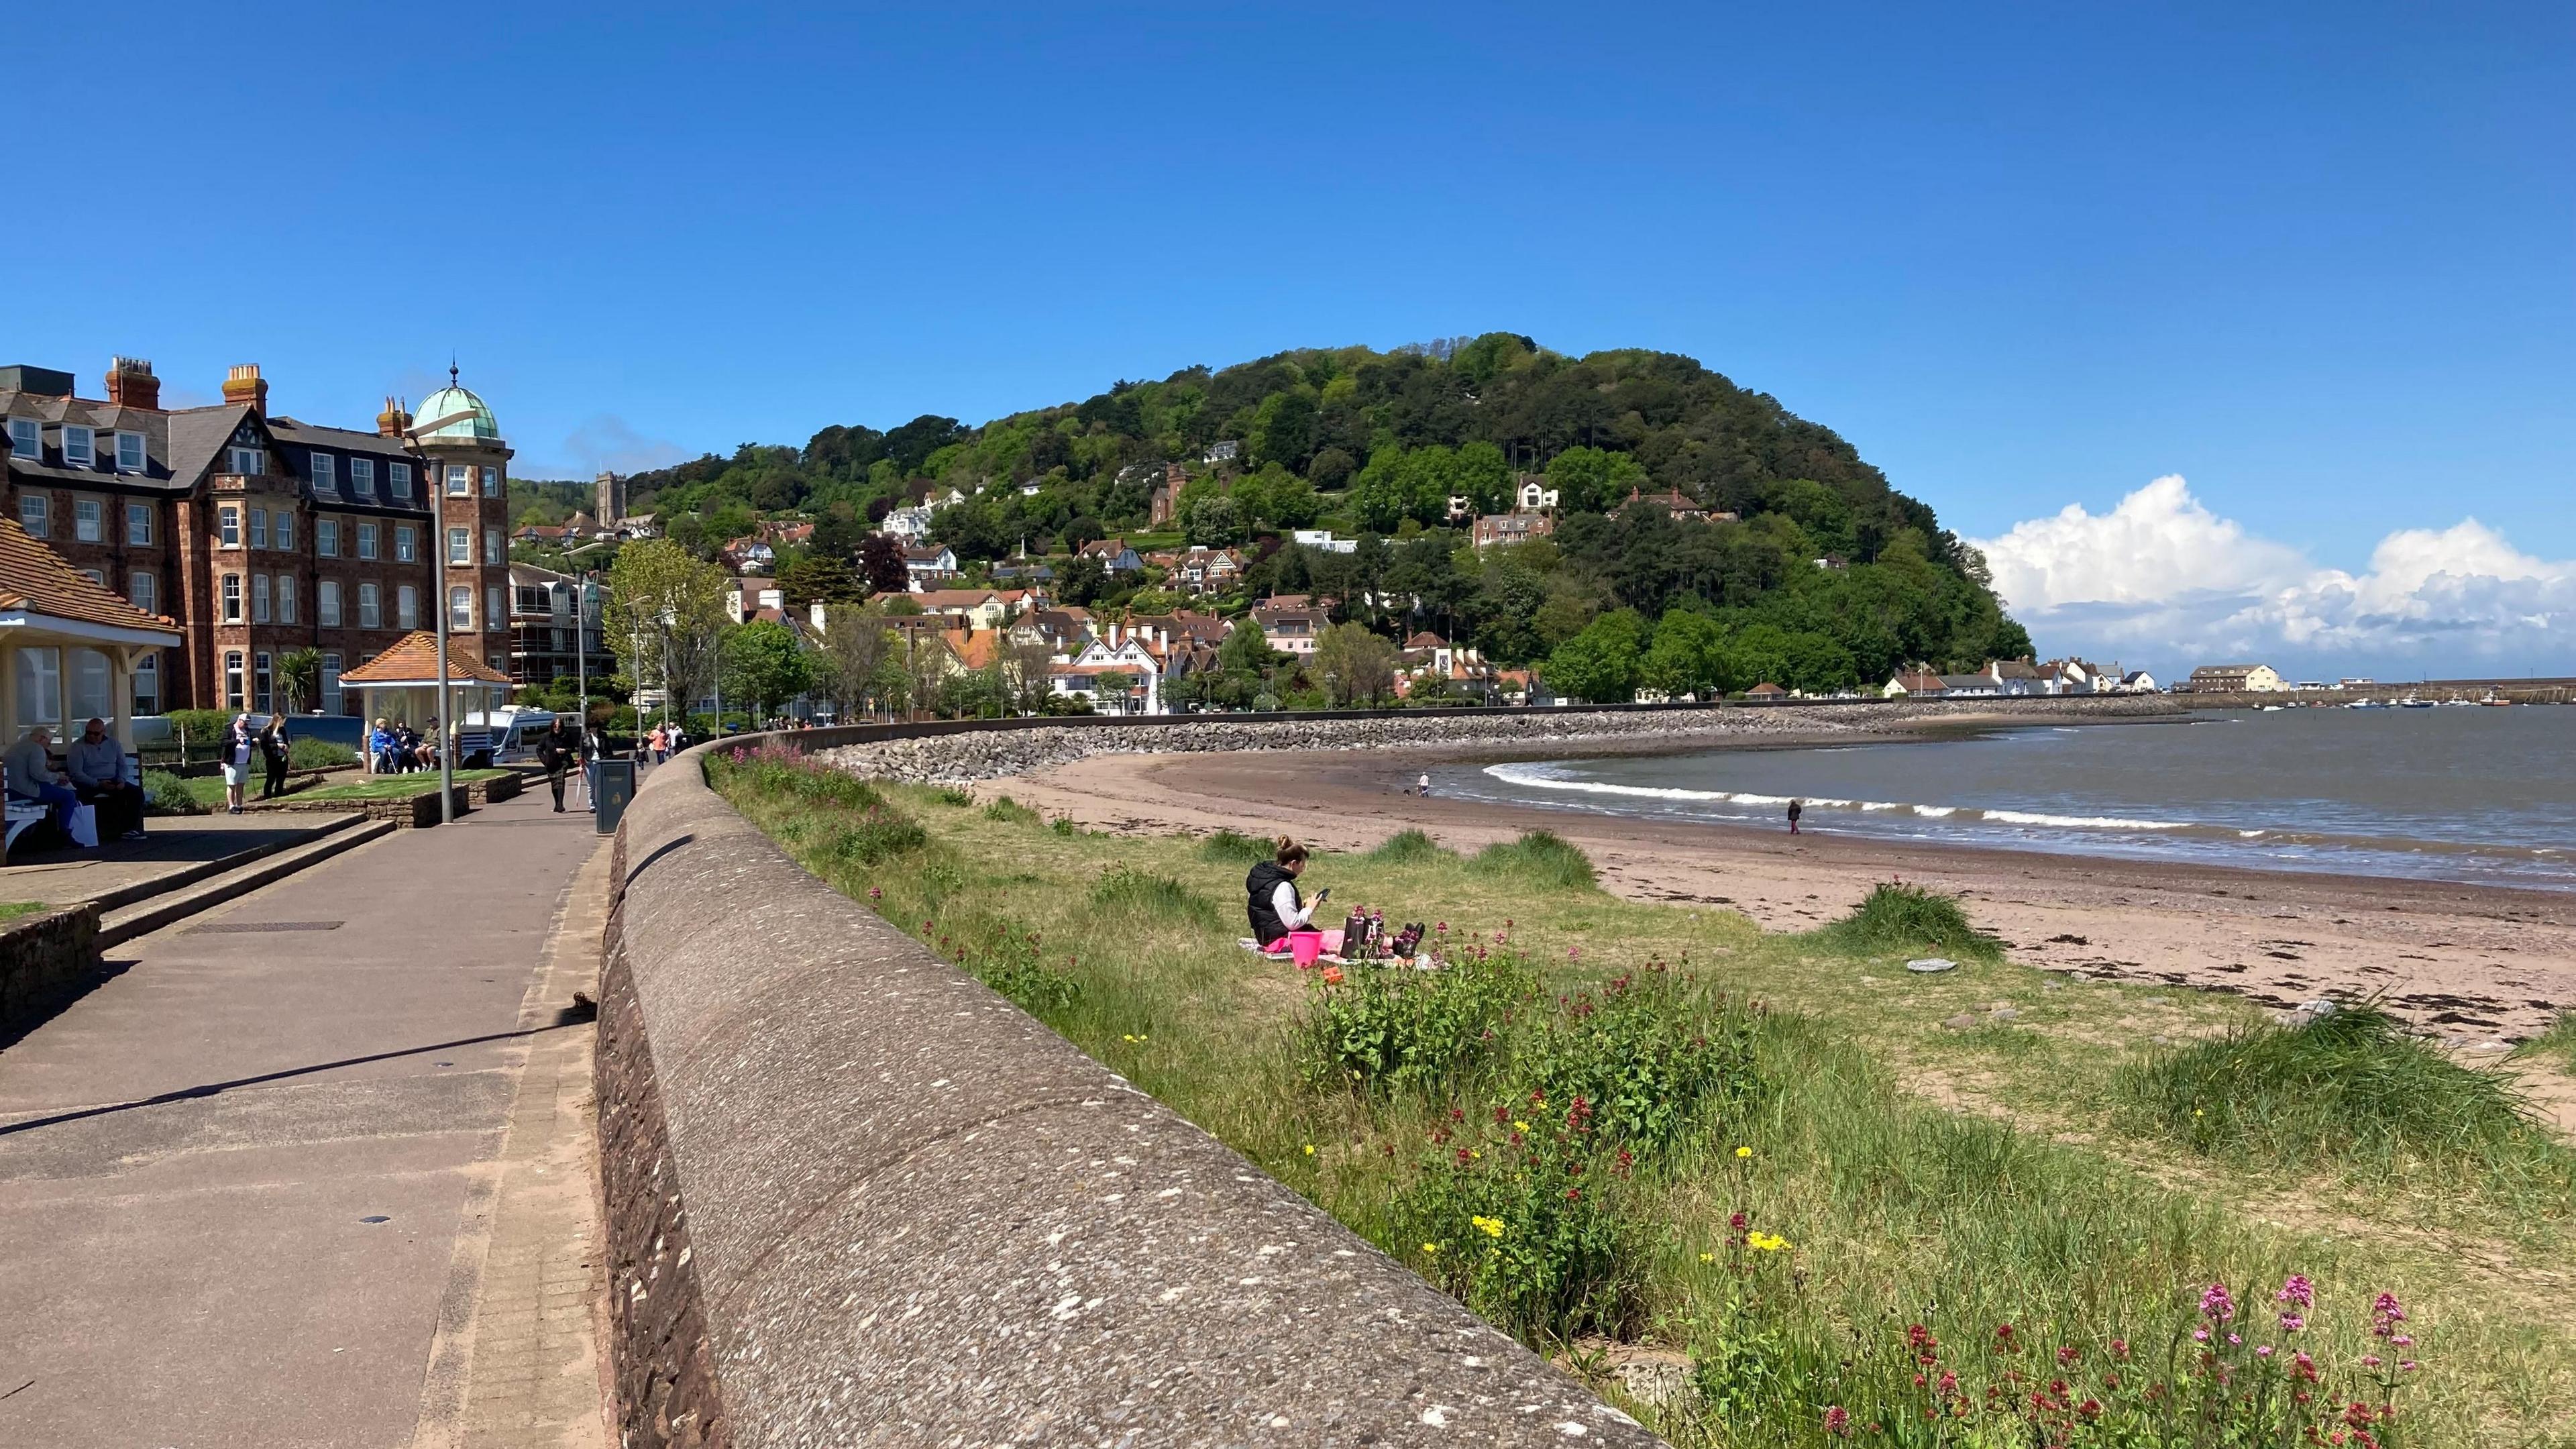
(855, 1197)
(988, 749)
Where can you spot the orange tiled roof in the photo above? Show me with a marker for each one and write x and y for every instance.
(415, 657)
(974, 648)
(35, 578)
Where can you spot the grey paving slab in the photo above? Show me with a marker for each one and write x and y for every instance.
(189, 1156)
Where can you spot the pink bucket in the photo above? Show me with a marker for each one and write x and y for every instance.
(1305, 946)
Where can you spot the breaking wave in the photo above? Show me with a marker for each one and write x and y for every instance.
(1551, 777)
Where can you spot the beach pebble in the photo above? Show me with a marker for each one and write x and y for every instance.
(1928, 965)
(2052, 986)
(2319, 1007)
(2488, 1046)
(2006, 1013)
(1962, 1022)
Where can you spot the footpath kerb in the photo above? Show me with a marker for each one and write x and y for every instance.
(855, 1197)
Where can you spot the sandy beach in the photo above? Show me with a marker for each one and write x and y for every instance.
(2481, 966)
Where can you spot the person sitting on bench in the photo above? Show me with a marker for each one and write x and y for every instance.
(96, 764)
(32, 776)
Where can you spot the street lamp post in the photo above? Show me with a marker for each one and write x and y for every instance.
(449, 735)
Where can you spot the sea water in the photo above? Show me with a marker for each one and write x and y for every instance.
(2476, 794)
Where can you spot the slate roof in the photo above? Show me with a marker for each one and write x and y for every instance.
(35, 578)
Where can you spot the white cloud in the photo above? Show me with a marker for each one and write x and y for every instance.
(606, 441)
(2167, 582)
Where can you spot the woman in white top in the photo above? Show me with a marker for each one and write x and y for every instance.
(237, 751)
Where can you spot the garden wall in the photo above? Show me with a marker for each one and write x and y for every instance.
(856, 1197)
(43, 959)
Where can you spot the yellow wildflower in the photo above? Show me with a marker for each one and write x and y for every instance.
(1490, 1227)
(1744, 1152)
(1708, 1257)
(1310, 1149)
(1766, 1242)
(1431, 1247)
(1520, 1126)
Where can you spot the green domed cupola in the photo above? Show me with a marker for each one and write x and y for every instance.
(455, 412)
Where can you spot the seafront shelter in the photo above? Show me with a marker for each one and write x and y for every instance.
(402, 684)
(69, 647)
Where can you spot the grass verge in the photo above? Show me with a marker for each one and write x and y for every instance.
(1756, 1183)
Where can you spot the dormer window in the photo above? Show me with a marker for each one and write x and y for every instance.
(80, 446)
(129, 453)
(250, 462)
(26, 438)
(323, 473)
(399, 475)
(362, 477)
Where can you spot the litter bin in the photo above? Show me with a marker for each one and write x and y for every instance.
(616, 787)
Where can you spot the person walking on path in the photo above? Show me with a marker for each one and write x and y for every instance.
(594, 748)
(272, 753)
(556, 750)
(1796, 809)
(237, 752)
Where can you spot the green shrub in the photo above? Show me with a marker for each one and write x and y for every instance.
(999, 954)
(1227, 847)
(1410, 847)
(876, 834)
(2351, 1088)
(167, 794)
(1136, 894)
(1010, 812)
(1529, 1217)
(1899, 917)
(203, 728)
(956, 795)
(1386, 1030)
(1540, 858)
(1648, 1056)
(313, 754)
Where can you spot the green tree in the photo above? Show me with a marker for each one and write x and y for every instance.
(1216, 522)
(765, 666)
(1600, 665)
(1688, 655)
(299, 678)
(1356, 664)
(665, 617)
(1283, 430)
(851, 664)
(1590, 480)
(818, 578)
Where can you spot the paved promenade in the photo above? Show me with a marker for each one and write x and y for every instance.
(314, 1170)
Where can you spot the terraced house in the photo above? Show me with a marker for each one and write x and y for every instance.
(257, 534)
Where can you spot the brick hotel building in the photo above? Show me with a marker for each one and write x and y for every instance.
(257, 534)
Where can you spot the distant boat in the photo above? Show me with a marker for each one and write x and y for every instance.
(2411, 702)
(2367, 704)
(2492, 701)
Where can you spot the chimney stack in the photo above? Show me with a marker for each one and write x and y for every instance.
(130, 383)
(394, 421)
(243, 386)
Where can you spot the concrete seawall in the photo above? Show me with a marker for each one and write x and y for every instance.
(854, 1197)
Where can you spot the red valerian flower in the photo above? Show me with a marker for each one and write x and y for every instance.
(1838, 1422)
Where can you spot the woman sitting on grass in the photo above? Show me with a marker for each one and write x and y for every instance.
(1275, 907)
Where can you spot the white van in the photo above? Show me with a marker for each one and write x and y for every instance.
(513, 731)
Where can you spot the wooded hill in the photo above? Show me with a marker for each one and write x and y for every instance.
(1377, 444)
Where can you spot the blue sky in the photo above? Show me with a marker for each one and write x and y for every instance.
(2319, 261)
